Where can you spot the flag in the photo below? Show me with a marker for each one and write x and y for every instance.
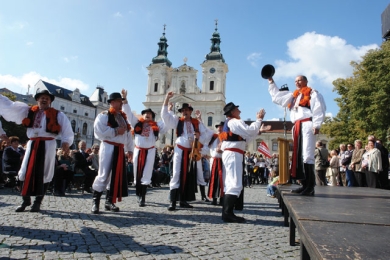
(263, 148)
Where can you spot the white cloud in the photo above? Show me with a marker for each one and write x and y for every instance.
(320, 57)
(117, 14)
(329, 114)
(69, 59)
(253, 58)
(17, 83)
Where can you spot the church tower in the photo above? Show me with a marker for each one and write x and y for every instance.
(159, 77)
(182, 80)
(214, 71)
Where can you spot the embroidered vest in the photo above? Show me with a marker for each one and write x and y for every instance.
(139, 126)
(215, 136)
(180, 125)
(52, 125)
(228, 135)
(112, 122)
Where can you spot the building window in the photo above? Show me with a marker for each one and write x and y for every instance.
(75, 111)
(209, 121)
(155, 87)
(274, 145)
(62, 108)
(73, 123)
(105, 99)
(212, 85)
(85, 126)
(86, 113)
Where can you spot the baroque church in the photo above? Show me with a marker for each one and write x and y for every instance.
(209, 98)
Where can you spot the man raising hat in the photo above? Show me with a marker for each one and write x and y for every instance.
(113, 130)
(234, 136)
(43, 124)
(146, 131)
(188, 130)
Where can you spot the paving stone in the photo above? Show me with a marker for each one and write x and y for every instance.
(65, 229)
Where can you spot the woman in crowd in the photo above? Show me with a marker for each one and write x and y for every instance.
(64, 172)
(334, 165)
(371, 164)
(356, 163)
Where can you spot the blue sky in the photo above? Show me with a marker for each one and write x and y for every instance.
(82, 44)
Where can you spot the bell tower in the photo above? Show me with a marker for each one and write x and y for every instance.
(159, 76)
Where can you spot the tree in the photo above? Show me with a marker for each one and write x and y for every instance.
(11, 128)
(364, 100)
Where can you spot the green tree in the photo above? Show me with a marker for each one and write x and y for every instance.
(11, 128)
(364, 100)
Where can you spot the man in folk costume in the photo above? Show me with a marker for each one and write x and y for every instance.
(188, 129)
(146, 131)
(113, 130)
(43, 124)
(234, 137)
(307, 112)
(216, 183)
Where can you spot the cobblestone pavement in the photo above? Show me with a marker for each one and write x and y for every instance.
(65, 229)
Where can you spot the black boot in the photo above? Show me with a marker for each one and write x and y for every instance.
(203, 193)
(227, 210)
(36, 207)
(221, 201)
(302, 188)
(172, 198)
(311, 182)
(143, 193)
(214, 202)
(26, 202)
(184, 204)
(96, 202)
(109, 205)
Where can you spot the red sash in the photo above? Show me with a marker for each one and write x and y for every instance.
(217, 166)
(297, 130)
(118, 173)
(31, 163)
(141, 161)
(186, 154)
(235, 150)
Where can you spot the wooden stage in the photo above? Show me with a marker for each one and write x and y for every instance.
(339, 222)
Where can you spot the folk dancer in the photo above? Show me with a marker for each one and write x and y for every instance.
(146, 131)
(234, 137)
(307, 111)
(113, 130)
(43, 124)
(183, 181)
(216, 184)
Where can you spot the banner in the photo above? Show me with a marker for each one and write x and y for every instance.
(263, 148)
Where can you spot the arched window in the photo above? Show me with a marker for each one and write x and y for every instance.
(155, 87)
(183, 88)
(274, 145)
(212, 85)
(73, 123)
(85, 126)
(209, 121)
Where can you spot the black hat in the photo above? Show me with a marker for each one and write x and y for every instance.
(220, 124)
(44, 92)
(229, 107)
(148, 110)
(267, 71)
(114, 96)
(186, 105)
